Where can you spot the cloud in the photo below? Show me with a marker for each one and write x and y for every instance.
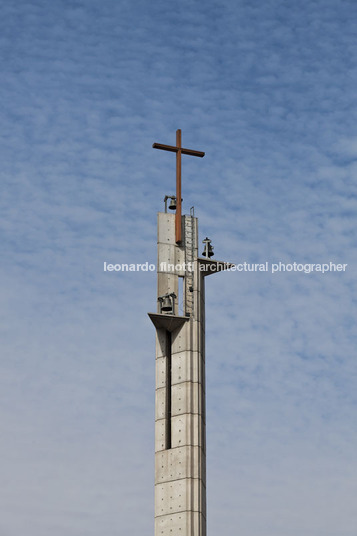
(267, 91)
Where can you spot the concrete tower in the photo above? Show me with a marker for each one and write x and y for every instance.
(180, 419)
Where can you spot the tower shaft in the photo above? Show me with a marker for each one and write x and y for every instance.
(180, 445)
(180, 401)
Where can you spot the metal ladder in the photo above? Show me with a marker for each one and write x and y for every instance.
(189, 259)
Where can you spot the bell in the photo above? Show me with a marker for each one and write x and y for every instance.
(166, 304)
(172, 205)
(208, 251)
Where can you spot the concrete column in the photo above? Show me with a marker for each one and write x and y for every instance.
(180, 417)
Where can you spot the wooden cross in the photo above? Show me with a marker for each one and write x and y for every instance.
(178, 149)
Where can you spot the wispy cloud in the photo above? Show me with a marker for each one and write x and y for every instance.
(267, 90)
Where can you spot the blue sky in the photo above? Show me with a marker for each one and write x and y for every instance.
(267, 90)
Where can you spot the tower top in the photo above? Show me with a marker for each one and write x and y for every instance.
(178, 149)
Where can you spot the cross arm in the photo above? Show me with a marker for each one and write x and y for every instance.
(174, 149)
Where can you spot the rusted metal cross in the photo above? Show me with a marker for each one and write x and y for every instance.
(178, 149)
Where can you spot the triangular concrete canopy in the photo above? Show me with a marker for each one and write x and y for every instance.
(210, 266)
(168, 322)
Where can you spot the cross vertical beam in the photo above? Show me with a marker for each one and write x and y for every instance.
(178, 188)
(178, 149)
